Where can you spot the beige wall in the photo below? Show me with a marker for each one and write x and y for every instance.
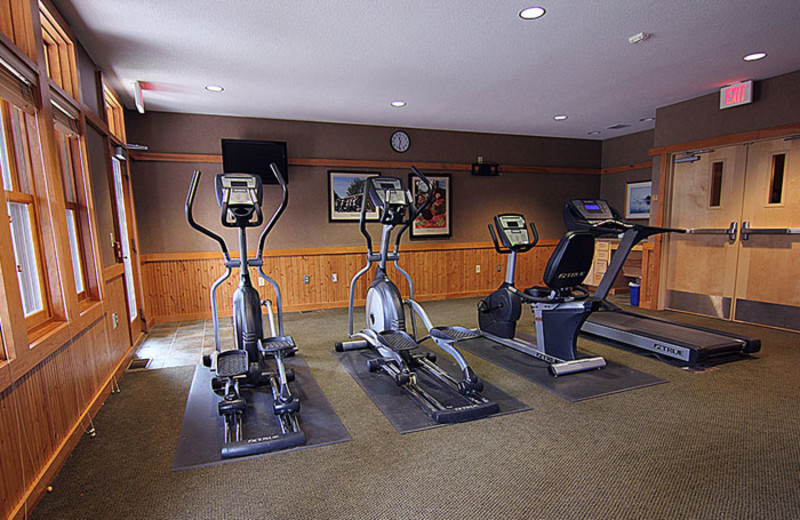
(621, 151)
(160, 187)
(775, 103)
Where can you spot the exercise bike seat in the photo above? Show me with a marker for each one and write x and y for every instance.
(455, 333)
(538, 292)
(396, 340)
(283, 344)
(232, 363)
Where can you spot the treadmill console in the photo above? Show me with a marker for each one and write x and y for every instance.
(581, 214)
(513, 230)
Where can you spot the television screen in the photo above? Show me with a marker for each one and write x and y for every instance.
(247, 156)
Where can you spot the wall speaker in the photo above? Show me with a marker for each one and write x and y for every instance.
(485, 169)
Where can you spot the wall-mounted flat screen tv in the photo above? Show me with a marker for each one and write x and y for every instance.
(250, 156)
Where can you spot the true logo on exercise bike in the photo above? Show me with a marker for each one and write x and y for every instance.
(576, 274)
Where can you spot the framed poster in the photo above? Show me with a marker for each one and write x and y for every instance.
(435, 220)
(345, 190)
(637, 199)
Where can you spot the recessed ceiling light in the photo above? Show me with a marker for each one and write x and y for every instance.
(532, 13)
(755, 56)
(596, 132)
(647, 119)
(214, 88)
(560, 117)
(399, 103)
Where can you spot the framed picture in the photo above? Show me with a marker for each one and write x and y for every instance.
(637, 199)
(436, 219)
(345, 190)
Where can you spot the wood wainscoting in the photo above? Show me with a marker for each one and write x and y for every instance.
(51, 395)
(176, 285)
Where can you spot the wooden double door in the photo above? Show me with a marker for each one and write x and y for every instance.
(740, 259)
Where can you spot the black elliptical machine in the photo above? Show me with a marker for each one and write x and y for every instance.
(385, 331)
(240, 196)
(559, 308)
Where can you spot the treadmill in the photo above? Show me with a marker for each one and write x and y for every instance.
(687, 344)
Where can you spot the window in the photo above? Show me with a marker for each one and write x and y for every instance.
(114, 115)
(776, 178)
(15, 161)
(716, 184)
(69, 153)
(59, 53)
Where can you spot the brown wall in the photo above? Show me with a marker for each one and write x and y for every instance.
(620, 151)
(774, 104)
(160, 187)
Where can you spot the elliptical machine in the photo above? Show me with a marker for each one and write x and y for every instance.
(385, 330)
(559, 309)
(240, 196)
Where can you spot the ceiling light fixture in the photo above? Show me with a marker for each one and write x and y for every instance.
(399, 103)
(596, 132)
(755, 56)
(214, 88)
(138, 99)
(647, 119)
(639, 37)
(560, 117)
(532, 13)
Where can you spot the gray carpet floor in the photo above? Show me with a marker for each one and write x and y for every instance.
(722, 443)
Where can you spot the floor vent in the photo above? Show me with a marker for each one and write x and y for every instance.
(138, 364)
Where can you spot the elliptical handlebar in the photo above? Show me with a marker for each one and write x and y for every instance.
(190, 217)
(278, 211)
(415, 212)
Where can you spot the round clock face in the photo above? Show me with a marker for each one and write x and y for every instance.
(400, 141)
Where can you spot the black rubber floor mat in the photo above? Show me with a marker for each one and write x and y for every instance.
(611, 379)
(200, 439)
(399, 408)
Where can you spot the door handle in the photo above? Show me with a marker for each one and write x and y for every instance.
(747, 231)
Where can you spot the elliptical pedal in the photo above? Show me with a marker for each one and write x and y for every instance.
(397, 340)
(232, 363)
(454, 333)
(282, 344)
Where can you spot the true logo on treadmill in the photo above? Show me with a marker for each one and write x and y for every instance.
(666, 348)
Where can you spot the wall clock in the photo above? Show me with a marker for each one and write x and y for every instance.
(400, 141)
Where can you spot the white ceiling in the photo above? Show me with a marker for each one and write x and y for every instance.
(460, 64)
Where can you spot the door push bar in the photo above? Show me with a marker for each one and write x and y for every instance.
(747, 231)
(730, 231)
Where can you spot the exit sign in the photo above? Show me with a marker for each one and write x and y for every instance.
(736, 94)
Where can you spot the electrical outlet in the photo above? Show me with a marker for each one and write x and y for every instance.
(261, 282)
(306, 279)
(498, 268)
(334, 278)
(478, 268)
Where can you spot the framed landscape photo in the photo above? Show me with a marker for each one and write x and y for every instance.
(345, 190)
(637, 199)
(435, 220)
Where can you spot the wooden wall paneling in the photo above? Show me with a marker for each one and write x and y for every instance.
(12, 485)
(47, 407)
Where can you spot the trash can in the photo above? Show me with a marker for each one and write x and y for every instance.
(635, 289)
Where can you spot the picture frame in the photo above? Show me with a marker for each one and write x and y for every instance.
(637, 199)
(436, 220)
(345, 189)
